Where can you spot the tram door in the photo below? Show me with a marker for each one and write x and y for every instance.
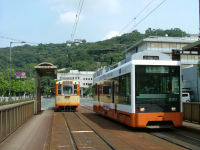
(113, 91)
(98, 92)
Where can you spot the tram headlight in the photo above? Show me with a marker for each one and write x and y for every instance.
(173, 108)
(142, 109)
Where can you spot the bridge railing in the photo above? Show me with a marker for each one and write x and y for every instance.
(13, 116)
(191, 111)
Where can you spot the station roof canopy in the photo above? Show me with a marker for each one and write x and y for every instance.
(46, 69)
(192, 47)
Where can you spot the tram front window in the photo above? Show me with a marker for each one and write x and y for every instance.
(158, 88)
(67, 90)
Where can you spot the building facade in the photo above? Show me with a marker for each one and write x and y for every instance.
(85, 78)
(191, 81)
(165, 45)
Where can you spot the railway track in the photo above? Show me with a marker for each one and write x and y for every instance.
(82, 135)
(177, 136)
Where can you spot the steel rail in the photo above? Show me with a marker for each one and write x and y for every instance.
(170, 141)
(87, 107)
(74, 145)
(98, 134)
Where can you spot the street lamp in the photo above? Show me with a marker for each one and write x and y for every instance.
(10, 66)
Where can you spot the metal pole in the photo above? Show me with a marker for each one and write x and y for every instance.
(199, 19)
(10, 72)
(10, 67)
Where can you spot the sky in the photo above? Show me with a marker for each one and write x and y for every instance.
(51, 21)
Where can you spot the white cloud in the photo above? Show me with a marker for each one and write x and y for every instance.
(68, 17)
(112, 34)
(112, 6)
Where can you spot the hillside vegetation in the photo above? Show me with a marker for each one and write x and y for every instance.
(86, 56)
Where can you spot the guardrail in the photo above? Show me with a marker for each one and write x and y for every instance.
(191, 111)
(13, 116)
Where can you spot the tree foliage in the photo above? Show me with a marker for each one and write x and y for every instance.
(86, 56)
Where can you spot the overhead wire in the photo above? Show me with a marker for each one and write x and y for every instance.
(147, 15)
(76, 17)
(17, 40)
(80, 6)
(136, 16)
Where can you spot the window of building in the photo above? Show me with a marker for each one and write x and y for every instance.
(83, 78)
(83, 83)
(165, 45)
(173, 45)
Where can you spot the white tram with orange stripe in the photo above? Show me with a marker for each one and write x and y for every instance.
(144, 90)
(67, 95)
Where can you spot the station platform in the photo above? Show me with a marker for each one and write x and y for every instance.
(34, 134)
(191, 126)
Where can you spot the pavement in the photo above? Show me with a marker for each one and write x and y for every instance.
(191, 125)
(32, 135)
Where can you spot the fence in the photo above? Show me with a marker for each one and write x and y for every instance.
(16, 98)
(191, 111)
(14, 115)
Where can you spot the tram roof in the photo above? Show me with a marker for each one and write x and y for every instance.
(144, 55)
(72, 82)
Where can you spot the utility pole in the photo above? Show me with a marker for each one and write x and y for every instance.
(199, 19)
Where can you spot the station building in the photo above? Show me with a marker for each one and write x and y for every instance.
(85, 78)
(191, 74)
(165, 45)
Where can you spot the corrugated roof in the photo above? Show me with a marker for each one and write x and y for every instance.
(192, 47)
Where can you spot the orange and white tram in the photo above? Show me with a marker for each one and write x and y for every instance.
(141, 91)
(67, 95)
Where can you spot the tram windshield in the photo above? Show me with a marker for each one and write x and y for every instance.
(67, 89)
(157, 84)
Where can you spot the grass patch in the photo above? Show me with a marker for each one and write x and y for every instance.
(13, 102)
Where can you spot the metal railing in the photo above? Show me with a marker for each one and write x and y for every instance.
(13, 116)
(16, 98)
(191, 111)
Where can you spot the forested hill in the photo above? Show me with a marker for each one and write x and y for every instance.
(86, 56)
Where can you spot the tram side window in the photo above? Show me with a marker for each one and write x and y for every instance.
(59, 89)
(107, 90)
(75, 89)
(125, 89)
(96, 89)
